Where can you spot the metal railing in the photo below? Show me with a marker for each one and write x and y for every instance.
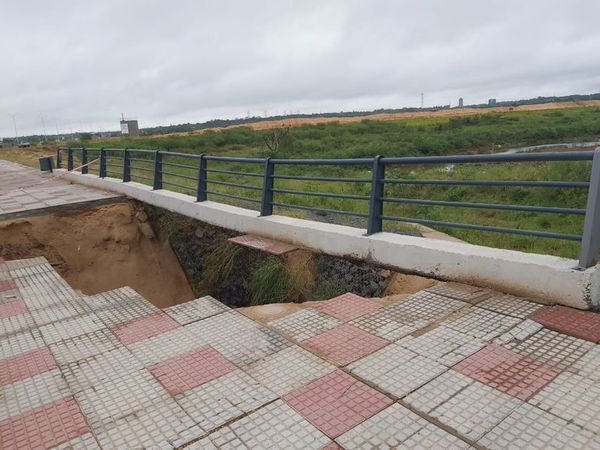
(197, 175)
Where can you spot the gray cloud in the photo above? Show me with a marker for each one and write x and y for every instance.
(80, 64)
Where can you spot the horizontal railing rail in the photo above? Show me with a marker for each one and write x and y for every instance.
(190, 173)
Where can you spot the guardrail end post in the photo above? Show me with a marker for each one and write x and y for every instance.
(202, 183)
(102, 170)
(126, 166)
(590, 241)
(69, 159)
(158, 178)
(375, 221)
(266, 205)
(84, 161)
(58, 158)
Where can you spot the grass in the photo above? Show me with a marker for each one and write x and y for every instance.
(270, 283)
(422, 136)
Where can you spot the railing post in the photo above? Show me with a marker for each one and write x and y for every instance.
(202, 184)
(375, 221)
(590, 241)
(126, 166)
(266, 206)
(84, 161)
(59, 158)
(102, 170)
(69, 159)
(157, 184)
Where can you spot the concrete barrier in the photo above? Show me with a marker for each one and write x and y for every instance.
(544, 277)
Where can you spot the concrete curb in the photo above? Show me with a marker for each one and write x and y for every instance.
(545, 277)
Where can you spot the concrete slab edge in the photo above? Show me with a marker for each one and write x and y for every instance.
(544, 277)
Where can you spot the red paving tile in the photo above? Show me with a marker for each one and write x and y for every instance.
(5, 285)
(191, 369)
(12, 308)
(265, 245)
(345, 344)
(25, 365)
(43, 427)
(507, 371)
(144, 327)
(581, 324)
(348, 306)
(337, 402)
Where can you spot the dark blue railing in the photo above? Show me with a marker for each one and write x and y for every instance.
(152, 166)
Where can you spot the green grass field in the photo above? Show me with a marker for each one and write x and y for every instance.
(431, 136)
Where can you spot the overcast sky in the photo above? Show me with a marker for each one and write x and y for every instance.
(80, 64)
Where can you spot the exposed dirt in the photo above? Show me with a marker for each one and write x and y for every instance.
(100, 249)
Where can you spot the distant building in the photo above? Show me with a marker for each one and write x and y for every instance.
(129, 127)
(491, 101)
(460, 102)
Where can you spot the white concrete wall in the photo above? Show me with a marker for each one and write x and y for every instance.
(531, 275)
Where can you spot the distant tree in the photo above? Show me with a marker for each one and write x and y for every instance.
(85, 136)
(276, 137)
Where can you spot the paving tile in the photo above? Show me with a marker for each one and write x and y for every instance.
(463, 292)
(45, 426)
(10, 296)
(393, 428)
(133, 309)
(528, 427)
(166, 345)
(84, 346)
(288, 369)
(443, 345)
(581, 324)
(25, 365)
(475, 410)
(573, 398)
(241, 340)
(438, 390)
(144, 327)
(114, 299)
(507, 371)
(397, 370)
(344, 344)
(156, 426)
(336, 402)
(559, 350)
(195, 310)
(263, 244)
(588, 365)
(414, 312)
(510, 306)
(56, 312)
(482, 324)
(519, 333)
(347, 307)
(191, 369)
(98, 369)
(16, 324)
(110, 400)
(17, 264)
(29, 393)
(70, 328)
(15, 344)
(275, 426)
(218, 401)
(304, 324)
(86, 441)
(202, 444)
(12, 308)
(6, 285)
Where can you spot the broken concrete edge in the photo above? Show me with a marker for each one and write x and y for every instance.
(544, 277)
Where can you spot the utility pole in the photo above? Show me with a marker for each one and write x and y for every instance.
(14, 118)
(422, 100)
(44, 126)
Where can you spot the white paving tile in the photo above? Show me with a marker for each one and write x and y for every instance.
(288, 369)
(510, 306)
(396, 370)
(482, 324)
(212, 404)
(69, 328)
(194, 310)
(15, 344)
(588, 365)
(84, 346)
(304, 324)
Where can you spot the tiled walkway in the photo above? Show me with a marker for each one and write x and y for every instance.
(23, 189)
(453, 367)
